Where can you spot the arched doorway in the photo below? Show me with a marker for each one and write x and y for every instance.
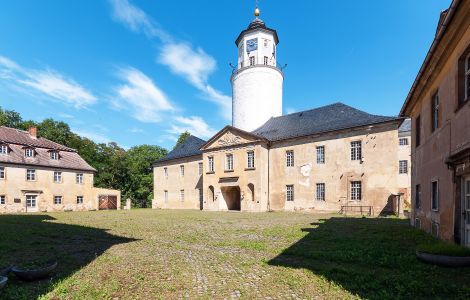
(232, 197)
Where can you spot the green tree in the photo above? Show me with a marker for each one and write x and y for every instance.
(182, 138)
(10, 118)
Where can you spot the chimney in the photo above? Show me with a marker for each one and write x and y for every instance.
(33, 131)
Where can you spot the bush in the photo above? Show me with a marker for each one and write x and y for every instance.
(442, 248)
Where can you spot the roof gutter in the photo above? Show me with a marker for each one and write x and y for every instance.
(431, 51)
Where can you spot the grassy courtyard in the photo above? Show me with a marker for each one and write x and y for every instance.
(147, 254)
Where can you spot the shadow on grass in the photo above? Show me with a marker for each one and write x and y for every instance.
(374, 259)
(26, 238)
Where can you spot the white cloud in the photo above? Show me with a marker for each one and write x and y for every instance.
(194, 65)
(136, 130)
(194, 125)
(141, 96)
(92, 135)
(47, 82)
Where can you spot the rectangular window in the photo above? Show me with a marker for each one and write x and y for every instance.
(356, 190)
(356, 150)
(79, 199)
(320, 155)
(165, 172)
(54, 155)
(79, 178)
(403, 142)
(182, 171)
(418, 196)
(266, 60)
(200, 168)
(3, 149)
(31, 201)
(435, 112)
(30, 175)
(320, 192)
(290, 158)
(250, 155)
(165, 196)
(57, 177)
(210, 163)
(290, 192)
(403, 167)
(2, 199)
(418, 131)
(57, 199)
(29, 152)
(229, 162)
(252, 60)
(435, 195)
(2, 173)
(182, 195)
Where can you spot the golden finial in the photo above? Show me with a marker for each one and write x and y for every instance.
(257, 12)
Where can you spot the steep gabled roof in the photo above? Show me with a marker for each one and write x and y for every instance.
(324, 119)
(190, 147)
(21, 137)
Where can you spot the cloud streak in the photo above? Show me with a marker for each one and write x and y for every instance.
(46, 82)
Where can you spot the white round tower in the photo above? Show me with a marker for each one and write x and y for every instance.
(257, 80)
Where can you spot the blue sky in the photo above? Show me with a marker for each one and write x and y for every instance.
(140, 72)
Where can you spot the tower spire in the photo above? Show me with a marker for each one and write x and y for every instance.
(257, 11)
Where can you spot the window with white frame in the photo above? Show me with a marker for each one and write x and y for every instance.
(3, 149)
(30, 175)
(200, 168)
(210, 164)
(250, 156)
(57, 199)
(182, 171)
(252, 60)
(320, 192)
(31, 201)
(290, 158)
(356, 150)
(266, 60)
(403, 141)
(29, 152)
(182, 195)
(290, 192)
(79, 178)
(435, 195)
(320, 155)
(54, 155)
(435, 112)
(356, 190)
(57, 176)
(165, 196)
(403, 167)
(79, 199)
(229, 162)
(2, 173)
(165, 172)
(2, 199)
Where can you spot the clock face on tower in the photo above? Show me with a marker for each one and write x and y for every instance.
(252, 45)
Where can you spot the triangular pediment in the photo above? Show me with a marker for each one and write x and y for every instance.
(231, 136)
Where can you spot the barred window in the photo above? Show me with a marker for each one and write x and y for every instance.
(200, 168)
(290, 192)
(250, 159)
(320, 154)
(57, 199)
(356, 190)
(252, 60)
(403, 142)
(182, 195)
(2, 199)
(182, 171)
(403, 167)
(356, 150)
(320, 192)
(290, 158)
(229, 162)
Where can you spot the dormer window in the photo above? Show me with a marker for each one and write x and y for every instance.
(3, 149)
(54, 155)
(29, 152)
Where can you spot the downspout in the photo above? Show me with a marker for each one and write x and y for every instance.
(269, 179)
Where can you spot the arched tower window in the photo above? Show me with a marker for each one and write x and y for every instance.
(251, 188)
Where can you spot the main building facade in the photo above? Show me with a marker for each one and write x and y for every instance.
(327, 159)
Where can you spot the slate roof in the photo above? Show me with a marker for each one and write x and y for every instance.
(257, 24)
(405, 126)
(324, 119)
(17, 140)
(190, 147)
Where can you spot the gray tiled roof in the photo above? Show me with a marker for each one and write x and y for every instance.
(405, 126)
(328, 118)
(190, 147)
(17, 140)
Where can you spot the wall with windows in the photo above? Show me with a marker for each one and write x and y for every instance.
(404, 175)
(15, 187)
(175, 190)
(373, 168)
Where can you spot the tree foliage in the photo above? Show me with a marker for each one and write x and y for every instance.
(183, 136)
(129, 171)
